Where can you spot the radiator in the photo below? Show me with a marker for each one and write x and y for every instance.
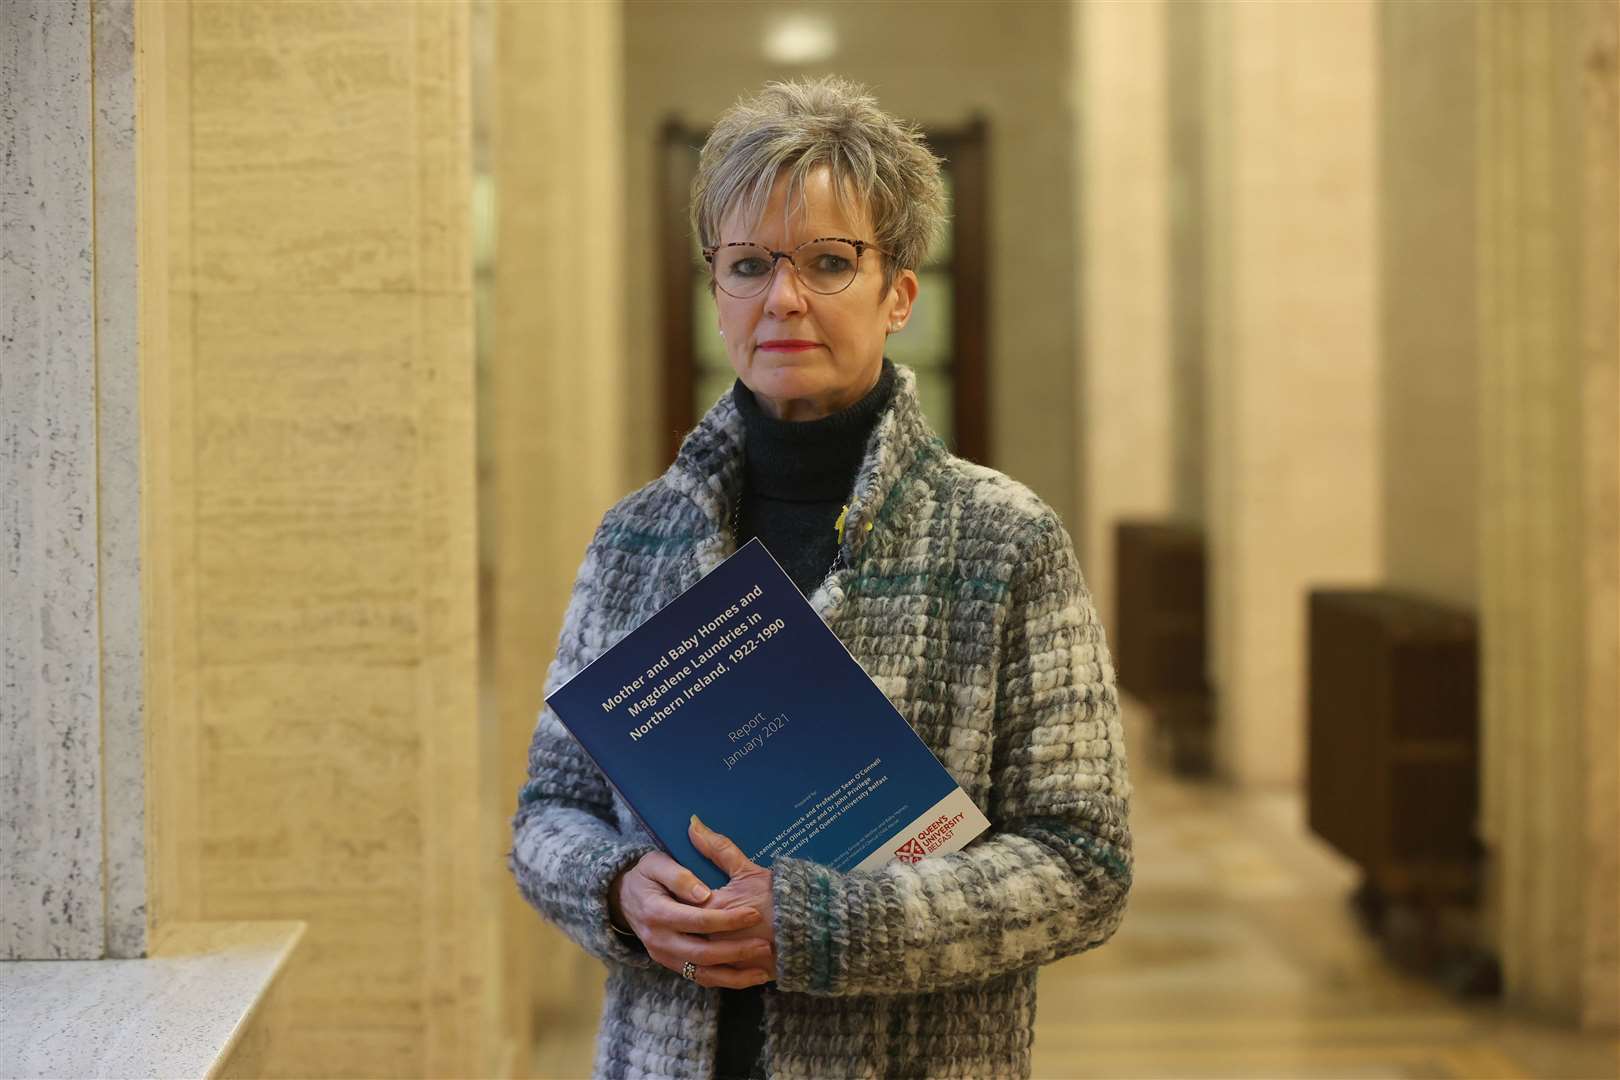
(1392, 770)
(1160, 655)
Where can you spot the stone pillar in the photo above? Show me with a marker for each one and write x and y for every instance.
(1125, 402)
(1428, 293)
(557, 393)
(1549, 174)
(72, 715)
(1292, 362)
(1184, 40)
(313, 417)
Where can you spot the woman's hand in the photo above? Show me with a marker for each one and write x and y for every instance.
(748, 890)
(673, 913)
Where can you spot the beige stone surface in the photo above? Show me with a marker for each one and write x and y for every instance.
(52, 869)
(118, 488)
(315, 620)
(1188, 341)
(1291, 359)
(1600, 425)
(72, 722)
(1549, 179)
(556, 402)
(1428, 289)
(186, 1010)
(168, 475)
(1126, 401)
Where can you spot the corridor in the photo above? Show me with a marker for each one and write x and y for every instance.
(348, 348)
(1240, 958)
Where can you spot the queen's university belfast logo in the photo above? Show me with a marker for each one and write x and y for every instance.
(911, 851)
(929, 840)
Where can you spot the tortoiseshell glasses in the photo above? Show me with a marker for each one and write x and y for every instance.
(826, 265)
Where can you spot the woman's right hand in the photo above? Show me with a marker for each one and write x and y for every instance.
(659, 899)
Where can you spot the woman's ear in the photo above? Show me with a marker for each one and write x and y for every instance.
(901, 298)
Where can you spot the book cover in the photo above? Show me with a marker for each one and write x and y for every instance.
(736, 703)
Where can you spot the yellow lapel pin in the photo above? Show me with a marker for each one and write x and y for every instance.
(839, 524)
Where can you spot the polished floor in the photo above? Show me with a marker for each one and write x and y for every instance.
(1240, 957)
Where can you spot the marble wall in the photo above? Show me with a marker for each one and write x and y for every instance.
(72, 730)
(314, 634)
(118, 476)
(1498, 134)
(1597, 51)
(1406, 232)
(557, 383)
(1549, 499)
(1184, 101)
(1428, 206)
(1290, 358)
(51, 840)
(1126, 399)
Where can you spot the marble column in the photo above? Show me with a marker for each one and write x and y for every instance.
(313, 543)
(1549, 555)
(1126, 399)
(1184, 90)
(72, 714)
(1291, 361)
(1429, 332)
(557, 393)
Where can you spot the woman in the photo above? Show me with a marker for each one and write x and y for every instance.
(955, 587)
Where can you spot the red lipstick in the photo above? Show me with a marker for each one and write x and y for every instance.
(788, 345)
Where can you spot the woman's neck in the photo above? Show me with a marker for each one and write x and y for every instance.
(810, 459)
(805, 409)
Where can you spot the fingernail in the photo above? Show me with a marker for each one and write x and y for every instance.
(698, 823)
(700, 892)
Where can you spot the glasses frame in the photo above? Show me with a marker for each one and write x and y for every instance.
(861, 248)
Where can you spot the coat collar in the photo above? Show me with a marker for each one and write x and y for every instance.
(708, 471)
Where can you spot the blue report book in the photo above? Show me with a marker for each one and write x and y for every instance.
(736, 703)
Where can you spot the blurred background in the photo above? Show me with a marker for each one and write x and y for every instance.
(331, 329)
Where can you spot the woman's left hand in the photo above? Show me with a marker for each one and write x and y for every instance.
(750, 886)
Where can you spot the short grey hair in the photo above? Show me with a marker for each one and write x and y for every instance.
(808, 123)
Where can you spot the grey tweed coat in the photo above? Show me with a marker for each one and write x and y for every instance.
(961, 596)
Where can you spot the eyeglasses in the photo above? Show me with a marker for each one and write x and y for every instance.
(826, 265)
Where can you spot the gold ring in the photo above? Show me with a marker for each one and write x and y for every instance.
(689, 971)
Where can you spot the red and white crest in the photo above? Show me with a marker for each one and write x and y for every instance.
(910, 852)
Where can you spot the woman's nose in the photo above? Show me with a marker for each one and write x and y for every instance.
(785, 293)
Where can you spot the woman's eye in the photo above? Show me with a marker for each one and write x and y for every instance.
(832, 264)
(748, 267)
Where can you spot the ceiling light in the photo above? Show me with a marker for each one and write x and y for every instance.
(800, 39)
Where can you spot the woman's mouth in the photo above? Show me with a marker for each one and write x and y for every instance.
(788, 345)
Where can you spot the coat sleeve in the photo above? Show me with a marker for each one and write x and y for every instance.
(566, 849)
(1050, 876)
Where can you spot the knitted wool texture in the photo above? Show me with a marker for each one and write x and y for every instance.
(965, 603)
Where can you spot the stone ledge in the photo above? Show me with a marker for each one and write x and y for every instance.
(179, 1012)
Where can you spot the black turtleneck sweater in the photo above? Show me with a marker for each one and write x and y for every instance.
(797, 476)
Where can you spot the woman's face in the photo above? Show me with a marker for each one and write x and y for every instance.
(804, 354)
